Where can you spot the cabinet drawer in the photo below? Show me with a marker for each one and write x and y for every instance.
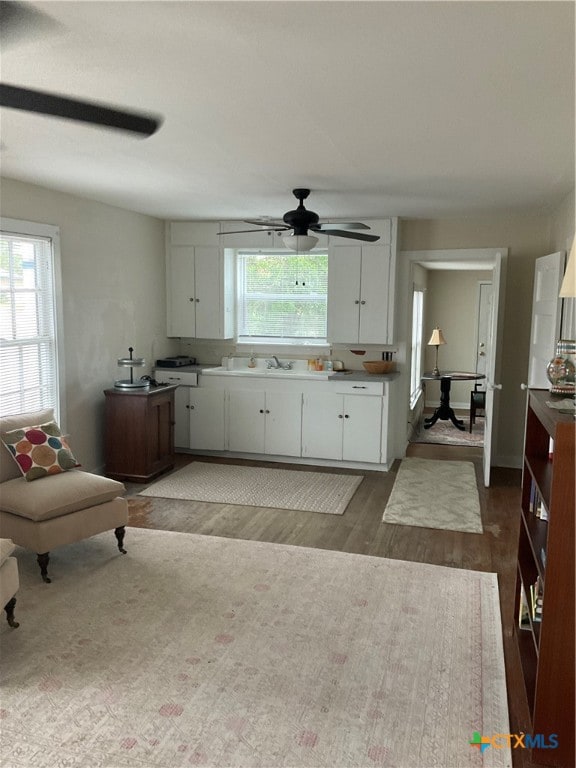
(173, 376)
(359, 387)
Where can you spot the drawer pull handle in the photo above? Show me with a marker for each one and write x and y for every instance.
(340, 416)
(359, 386)
(346, 416)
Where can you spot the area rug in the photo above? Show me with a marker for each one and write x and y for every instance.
(435, 494)
(202, 651)
(445, 433)
(258, 487)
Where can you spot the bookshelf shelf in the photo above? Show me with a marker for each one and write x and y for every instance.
(546, 571)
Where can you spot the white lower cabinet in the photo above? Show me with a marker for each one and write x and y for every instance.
(265, 422)
(342, 427)
(199, 419)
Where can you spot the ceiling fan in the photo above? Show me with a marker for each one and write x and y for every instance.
(302, 221)
(16, 17)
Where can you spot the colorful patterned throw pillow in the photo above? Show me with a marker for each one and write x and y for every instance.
(40, 451)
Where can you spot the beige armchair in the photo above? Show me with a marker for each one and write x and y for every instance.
(8, 580)
(58, 509)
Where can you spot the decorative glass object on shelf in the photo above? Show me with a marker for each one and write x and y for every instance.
(561, 369)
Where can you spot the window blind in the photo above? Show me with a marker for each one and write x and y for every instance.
(28, 353)
(282, 296)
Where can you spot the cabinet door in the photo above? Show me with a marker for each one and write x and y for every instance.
(208, 281)
(159, 432)
(194, 233)
(206, 419)
(246, 417)
(374, 294)
(344, 264)
(181, 418)
(362, 428)
(257, 239)
(181, 292)
(283, 435)
(322, 421)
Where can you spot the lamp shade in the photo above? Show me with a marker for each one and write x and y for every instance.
(437, 337)
(568, 287)
(300, 243)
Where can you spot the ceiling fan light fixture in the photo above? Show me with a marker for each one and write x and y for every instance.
(300, 243)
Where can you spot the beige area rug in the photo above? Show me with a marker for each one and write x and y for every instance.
(258, 487)
(445, 433)
(435, 494)
(202, 651)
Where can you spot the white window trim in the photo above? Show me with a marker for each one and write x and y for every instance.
(416, 393)
(34, 229)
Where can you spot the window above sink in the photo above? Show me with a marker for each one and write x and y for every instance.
(282, 298)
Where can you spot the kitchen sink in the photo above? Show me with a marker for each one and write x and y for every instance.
(268, 373)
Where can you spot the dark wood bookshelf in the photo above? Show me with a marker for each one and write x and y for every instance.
(547, 646)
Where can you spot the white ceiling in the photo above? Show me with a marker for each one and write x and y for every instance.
(415, 109)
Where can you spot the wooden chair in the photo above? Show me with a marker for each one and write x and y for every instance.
(477, 403)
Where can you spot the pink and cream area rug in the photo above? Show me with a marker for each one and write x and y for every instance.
(202, 651)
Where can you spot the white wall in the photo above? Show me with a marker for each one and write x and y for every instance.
(113, 297)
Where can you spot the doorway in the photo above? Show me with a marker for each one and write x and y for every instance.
(489, 260)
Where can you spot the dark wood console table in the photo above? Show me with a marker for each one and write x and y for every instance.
(444, 412)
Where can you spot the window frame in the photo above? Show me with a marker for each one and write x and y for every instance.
(270, 343)
(416, 348)
(50, 232)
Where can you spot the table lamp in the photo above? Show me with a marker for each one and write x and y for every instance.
(436, 339)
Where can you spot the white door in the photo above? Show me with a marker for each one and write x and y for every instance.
(322, 420)
(483, 329)
(283, 431)
(246, 417)
(344, 263)
(208, 281)
(206, 418)
(181, 292)
(375, 278)
(546, 317)
(493, 385)
(362, 422)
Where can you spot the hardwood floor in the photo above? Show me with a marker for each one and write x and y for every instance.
(360, 530)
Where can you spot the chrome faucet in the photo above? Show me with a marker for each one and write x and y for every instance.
(275, 363)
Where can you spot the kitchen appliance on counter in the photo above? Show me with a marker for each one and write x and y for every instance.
(131, 362)
(178, 361)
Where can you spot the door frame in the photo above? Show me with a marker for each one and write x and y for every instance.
(479, 288)
(487, 259)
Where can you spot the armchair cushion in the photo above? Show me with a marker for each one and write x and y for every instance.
(53, 497)
(39, 450)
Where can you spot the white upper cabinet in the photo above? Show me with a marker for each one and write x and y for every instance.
(361, 283)
(199, 282)
(256, 239)
(194, 233)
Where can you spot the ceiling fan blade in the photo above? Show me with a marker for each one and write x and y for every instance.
(341, 225)
(242, 231)
(266, 223)
(72, 109)
(351, 235)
